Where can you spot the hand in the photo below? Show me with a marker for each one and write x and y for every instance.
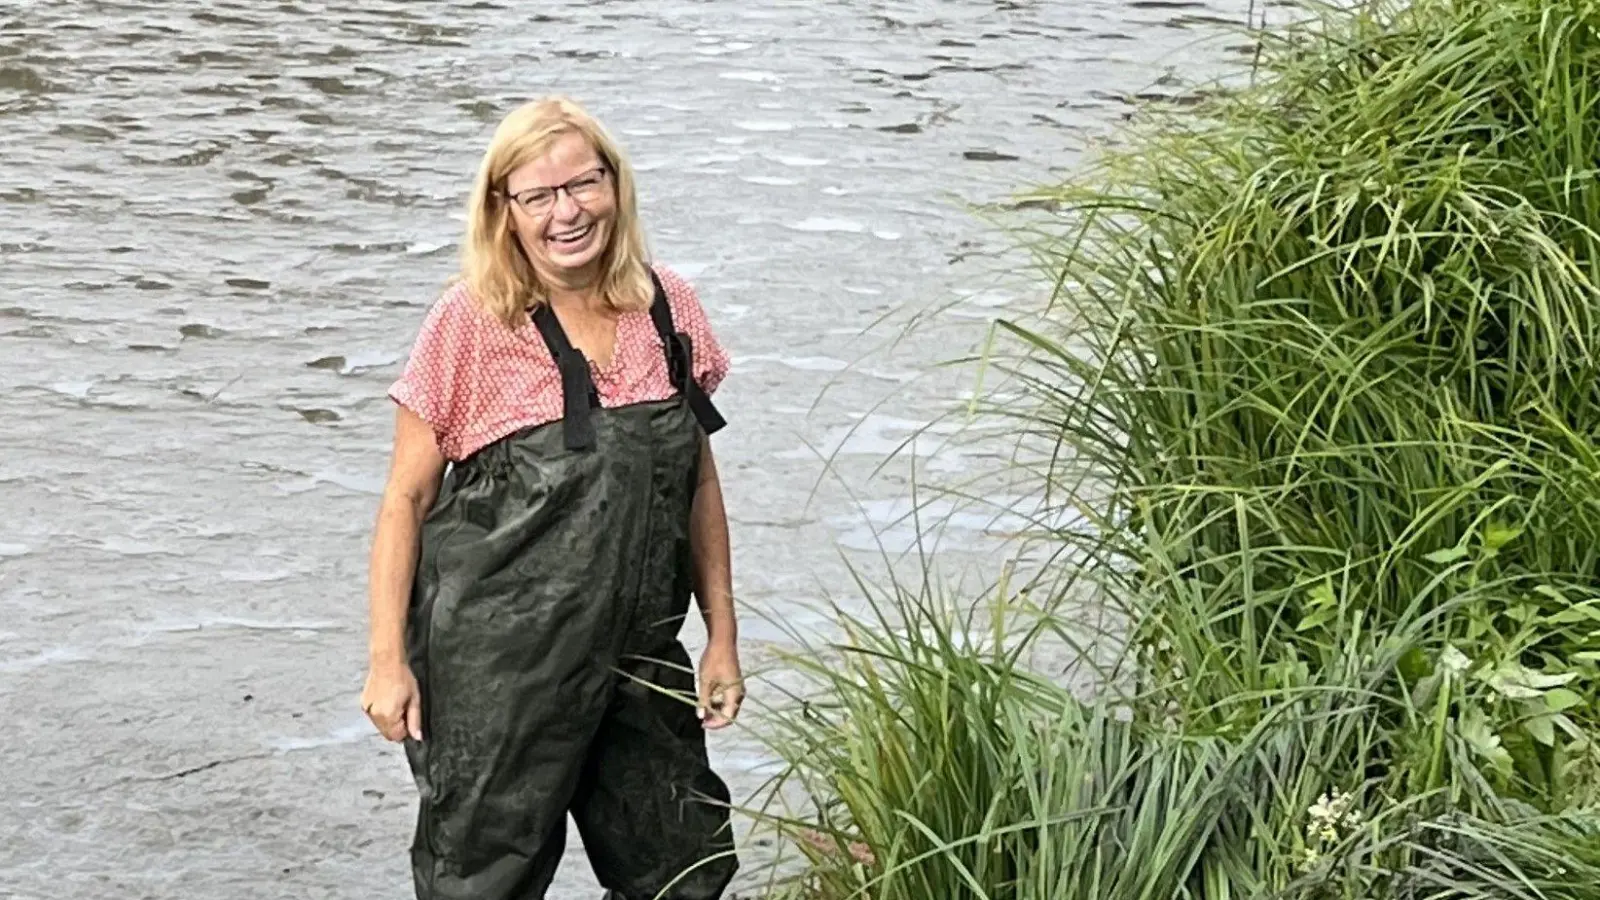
(721, 685)
(393, 701)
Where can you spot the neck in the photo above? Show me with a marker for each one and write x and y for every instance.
(588, 299)
(581, 291)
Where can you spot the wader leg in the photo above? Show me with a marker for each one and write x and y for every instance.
(497, 774)
(652, 813)
(508, 877)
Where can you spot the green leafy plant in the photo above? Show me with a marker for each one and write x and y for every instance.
(1324, 358)
(1318, 390)
(925, 763)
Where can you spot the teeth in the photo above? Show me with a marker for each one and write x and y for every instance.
(570, 235)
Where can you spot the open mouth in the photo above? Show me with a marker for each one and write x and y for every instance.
(572, 239)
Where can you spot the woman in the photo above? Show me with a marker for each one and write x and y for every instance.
(525, 605)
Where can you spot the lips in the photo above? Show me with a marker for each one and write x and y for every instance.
(570, 238)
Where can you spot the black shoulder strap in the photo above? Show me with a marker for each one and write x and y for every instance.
(680, 356)
(578, 394)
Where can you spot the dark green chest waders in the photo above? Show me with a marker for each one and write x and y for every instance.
(554, 576)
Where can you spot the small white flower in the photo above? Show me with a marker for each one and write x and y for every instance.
(1330, 817)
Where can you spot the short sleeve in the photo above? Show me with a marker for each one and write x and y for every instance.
(433, 383)
(711, 363)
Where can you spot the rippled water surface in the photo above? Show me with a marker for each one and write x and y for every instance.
(220, 226)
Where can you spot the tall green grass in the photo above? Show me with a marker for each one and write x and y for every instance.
(927, 761)
(1329, 350)
(1320, 372)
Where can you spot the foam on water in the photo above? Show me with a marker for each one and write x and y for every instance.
(240, 623)
(800, 363)
(753, 76)
(825, 224)
(51, 657)
(361, 484)
(764, 125)
(769, 180)
(797, 162)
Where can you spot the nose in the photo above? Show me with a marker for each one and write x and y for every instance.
(565, 209)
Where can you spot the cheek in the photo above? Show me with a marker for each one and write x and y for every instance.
(527, 239)
(526, 232)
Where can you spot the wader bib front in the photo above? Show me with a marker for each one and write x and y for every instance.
(554, 575)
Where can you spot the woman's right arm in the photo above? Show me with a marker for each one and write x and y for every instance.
(391, 697)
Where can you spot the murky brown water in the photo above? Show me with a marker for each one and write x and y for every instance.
(221, 224)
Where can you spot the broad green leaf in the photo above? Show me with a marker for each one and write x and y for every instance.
(1552, 593)
(1578, 735)
(1474, 729)
(1322, 595)
(1447, 555)
(1318, 617)
(1496, 536)
(1542, 729)
(1583, 612)
(1478, 627)
(1561, 699)
(1519, 682)
(1522, 612)
(1454, 660)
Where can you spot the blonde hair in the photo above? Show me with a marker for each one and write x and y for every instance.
(493, 264)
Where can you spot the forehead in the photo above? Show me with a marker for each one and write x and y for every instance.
(569, 156)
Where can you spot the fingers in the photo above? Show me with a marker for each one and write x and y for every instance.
(395, 728)
(720, 704)
(391, 725)
(728, 709)
(703, 708)
(395, 721)
(413, 721)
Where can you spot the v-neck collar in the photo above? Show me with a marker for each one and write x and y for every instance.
(621, 333)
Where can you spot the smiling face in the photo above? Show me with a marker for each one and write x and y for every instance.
(564, 211)
(574, 225)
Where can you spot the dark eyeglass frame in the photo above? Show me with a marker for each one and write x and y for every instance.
(599, 173)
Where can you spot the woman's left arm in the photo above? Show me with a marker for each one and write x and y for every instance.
(721, 681)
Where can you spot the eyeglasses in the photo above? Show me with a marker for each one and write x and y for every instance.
(536, 201)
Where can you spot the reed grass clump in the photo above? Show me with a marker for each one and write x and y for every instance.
(1329, 353)
(1319, 371)
(927, 761)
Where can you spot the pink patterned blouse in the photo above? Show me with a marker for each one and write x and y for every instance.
(476, 381)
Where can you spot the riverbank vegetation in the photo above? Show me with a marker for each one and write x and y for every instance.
(1318, 387)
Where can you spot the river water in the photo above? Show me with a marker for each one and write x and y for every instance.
(222, 222)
